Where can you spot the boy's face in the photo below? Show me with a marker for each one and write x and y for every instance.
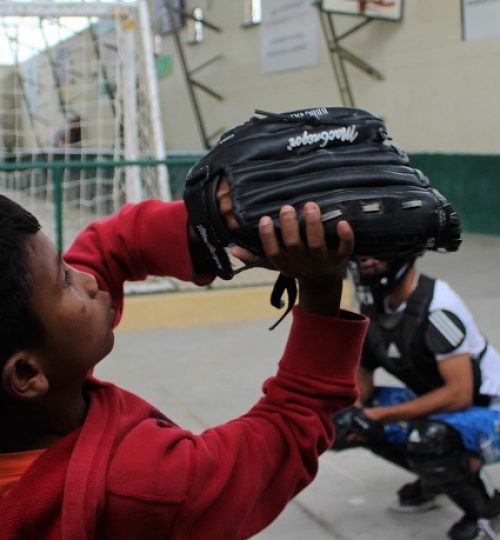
(76, 315)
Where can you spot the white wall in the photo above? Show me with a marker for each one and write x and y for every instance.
(440, 94)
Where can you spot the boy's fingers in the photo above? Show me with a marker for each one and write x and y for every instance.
(268, 237)
(315, 233)
(346, 238)
(290, 227)
(244, 255)
(226, 206)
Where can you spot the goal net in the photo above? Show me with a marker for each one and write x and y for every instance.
(78, 87)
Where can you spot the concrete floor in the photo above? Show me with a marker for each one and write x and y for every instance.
(207, 373)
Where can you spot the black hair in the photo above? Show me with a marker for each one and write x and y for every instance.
(20, 327)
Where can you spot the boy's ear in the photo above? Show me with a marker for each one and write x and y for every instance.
(23, 376)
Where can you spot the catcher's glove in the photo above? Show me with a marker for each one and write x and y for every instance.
(339, 158)
(354, 420)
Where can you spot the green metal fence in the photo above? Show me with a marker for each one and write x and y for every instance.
(45, 176)
(470, 182)
(59, 193)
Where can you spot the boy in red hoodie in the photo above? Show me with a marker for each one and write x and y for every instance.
(83, 459)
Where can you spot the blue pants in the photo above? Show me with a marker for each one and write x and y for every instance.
(479, 427)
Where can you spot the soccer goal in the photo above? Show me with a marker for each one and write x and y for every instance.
(78, 87)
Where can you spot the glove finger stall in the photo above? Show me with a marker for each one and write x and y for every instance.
(387, 222)
(251, 194)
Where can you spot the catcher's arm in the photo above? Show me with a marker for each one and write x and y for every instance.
(365, 383)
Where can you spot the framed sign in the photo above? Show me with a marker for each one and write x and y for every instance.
(289, 35)
(390, 10)
(480, 19)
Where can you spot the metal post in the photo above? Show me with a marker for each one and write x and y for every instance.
(194, 102)
(154, 107)
(337, 60)
(339, 54)
(191, 83)
(131, 137)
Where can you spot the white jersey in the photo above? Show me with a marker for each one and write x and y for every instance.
(446, 299)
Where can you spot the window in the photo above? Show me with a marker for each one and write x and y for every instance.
(195, 27)
(253, 12)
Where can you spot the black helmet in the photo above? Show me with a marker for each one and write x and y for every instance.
(373, 288)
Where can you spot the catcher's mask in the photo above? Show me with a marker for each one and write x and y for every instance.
(375, 279)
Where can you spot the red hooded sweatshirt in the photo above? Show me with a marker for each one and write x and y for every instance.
(130, 473)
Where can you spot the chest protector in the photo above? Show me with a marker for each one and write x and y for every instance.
(397, 343)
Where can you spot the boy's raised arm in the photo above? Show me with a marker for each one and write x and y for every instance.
(148, 238)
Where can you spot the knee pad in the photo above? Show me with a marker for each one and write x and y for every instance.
(436, 453)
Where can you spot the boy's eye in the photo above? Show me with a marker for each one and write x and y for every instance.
(67, 278)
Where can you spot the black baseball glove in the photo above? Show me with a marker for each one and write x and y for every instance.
(339, 158)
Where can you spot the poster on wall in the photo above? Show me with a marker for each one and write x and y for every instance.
(391, 10)
(289, 35)
(480, 19)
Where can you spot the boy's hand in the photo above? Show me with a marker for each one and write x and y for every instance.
(310, 262)
(226, 205)
(318, 269)
(225, 209)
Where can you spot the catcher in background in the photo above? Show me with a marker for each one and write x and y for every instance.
(83, 459)
(444, 423)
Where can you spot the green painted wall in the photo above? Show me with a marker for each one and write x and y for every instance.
(470, 182)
